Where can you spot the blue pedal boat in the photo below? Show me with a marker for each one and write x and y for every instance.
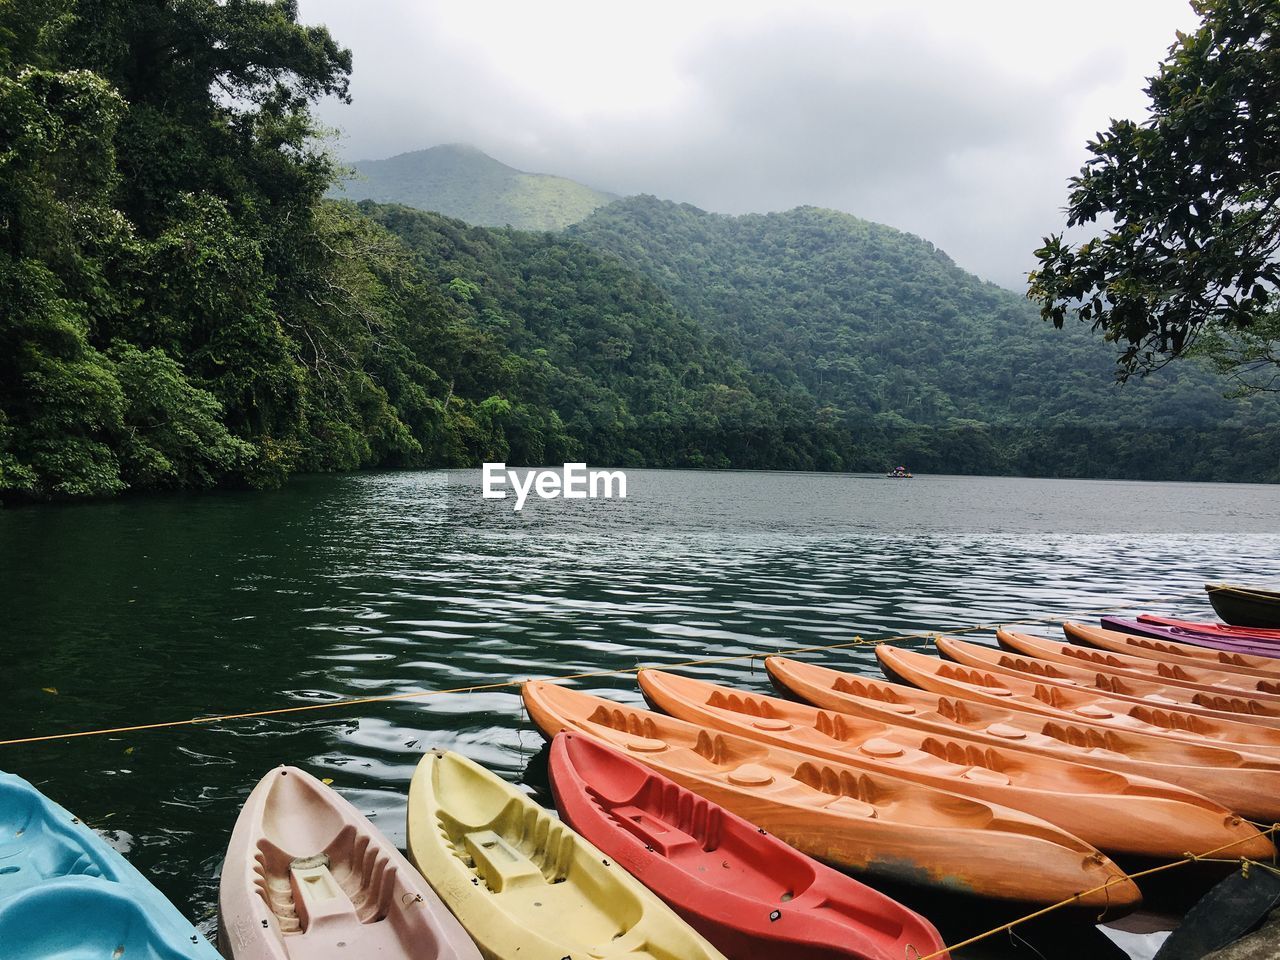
(66, 895)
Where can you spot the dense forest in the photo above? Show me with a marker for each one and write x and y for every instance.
(904, 349)
(183, 305)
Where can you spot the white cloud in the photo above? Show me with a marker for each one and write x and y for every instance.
(959, 122)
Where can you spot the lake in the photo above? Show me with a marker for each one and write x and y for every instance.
(362, 585)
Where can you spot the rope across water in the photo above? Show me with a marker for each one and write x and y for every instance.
(857, 641)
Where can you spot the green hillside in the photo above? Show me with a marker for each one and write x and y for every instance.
(893, 340)
(181, 307)
(624, 376)
(461, 181)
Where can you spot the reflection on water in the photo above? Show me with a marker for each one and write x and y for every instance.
(376, 584)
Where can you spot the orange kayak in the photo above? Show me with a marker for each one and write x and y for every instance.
(1126, 665)
(847, 816)
(1244, 782)
(1169, 651)
(1250, 710)
(1042, 692)
(1116, 812)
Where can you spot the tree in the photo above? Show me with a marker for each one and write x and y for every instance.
(1194, 197)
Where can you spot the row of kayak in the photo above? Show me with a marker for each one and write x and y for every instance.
(637, 867)
(709, 826)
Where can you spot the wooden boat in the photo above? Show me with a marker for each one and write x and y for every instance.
(1214, 640)
(1245, 606)
(307, 877)
(1116, 812)
(846, 816)
(65, 893)
(1169, 651)
(1212, 629)
(1128, 665)
(751, 895)
(1244, 782)
(1245, 710)
(524, 885)
(1042, 693)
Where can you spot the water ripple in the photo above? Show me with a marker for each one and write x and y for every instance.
(384, 584)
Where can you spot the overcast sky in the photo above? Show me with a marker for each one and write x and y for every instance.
(957, 121)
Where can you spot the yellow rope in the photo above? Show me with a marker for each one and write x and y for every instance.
(1075, 898)
(504, 684)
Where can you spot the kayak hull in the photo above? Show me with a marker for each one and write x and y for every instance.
(1118, 813)
(1245, 606)
(1192, 678)
(1244, 718)
(524, 885)
(1172, 651)
(307, 877)
(845, 816)
(751, 895)
(1212, 629)
(64, 892)
(1242, 782)
(1212, 641)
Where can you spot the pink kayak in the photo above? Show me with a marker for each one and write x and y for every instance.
(1264, 634)
(307, 877)
(1259, 648)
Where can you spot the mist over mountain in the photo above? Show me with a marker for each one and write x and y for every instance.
(461, 181)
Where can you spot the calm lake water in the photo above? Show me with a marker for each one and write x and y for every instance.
(362, 585)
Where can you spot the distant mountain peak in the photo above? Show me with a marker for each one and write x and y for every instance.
(461, 180)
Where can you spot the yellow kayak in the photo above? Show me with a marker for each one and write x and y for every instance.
(523, 884)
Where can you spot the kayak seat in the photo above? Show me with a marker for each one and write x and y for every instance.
(983, 766)
(762, 713)
(318, 898)
(665, 838)
(345, 882)
(34, 848)
(499, 864)
(1091, 711)
(1173, 672)
(852, 795)
(879, 693)
(1226, 704)
(1055, 697)
(1170, 719)
(625, 722)
(1006, 731)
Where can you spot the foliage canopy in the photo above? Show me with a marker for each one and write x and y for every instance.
(1194, 197)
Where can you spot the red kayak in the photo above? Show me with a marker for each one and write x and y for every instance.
(1262, 634)
(753, 896)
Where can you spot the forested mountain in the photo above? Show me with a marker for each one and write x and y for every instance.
(888, 336)
(461, 181)
(630, 379)
(181, 306)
